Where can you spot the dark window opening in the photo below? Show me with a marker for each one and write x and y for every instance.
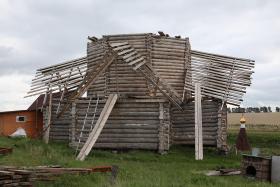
(251, 171)
(20, 118)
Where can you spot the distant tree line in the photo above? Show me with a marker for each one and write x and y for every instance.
(252, 109)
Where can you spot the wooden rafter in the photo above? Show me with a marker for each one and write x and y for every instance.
(138, 64)
(221, 77)
(90, 77)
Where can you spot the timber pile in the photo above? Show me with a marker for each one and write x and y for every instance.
(25, 176)
(5, 150)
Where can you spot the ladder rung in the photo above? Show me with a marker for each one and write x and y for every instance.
(128, 60)
(129, 55)
(121, 47)
(135, 61)
(118, 44)
(139, 65)
(125, 51)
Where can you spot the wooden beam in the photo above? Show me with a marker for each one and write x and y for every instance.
(89, 79)
(198, 124)
(48, 124)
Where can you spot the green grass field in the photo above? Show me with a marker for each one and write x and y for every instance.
(140, 168)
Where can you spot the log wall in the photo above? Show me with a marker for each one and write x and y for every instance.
(119, 77)
(139, 124)
(168, 56)
(182, 127)
(59, 127)
(95, 53)
(131, 125)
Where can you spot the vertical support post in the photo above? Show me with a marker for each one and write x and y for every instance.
(198, 124)
(222, 129)
(219, 130)
(73, 124)
(49, 116)
(164, 127)
(160, 130)
(187, 68)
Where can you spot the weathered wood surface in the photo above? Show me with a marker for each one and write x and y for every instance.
(60, 127)
(198, 123)
(169, 60)
(26, 176)
(136, 124)
(98, 127)
(221, 77)
(131, 125)
(65, 75)
(183, 123)
(46, 133)
(138, 63)
(222, 128)
(166, 55)
(139, 123)
(89, 79)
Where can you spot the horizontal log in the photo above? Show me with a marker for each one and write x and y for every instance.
(148, 146)
(191, 142)
(127, 140)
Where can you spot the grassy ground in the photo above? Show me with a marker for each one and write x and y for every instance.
(139, 168)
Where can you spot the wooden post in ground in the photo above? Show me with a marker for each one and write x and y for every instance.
(48, 124)
(73, 124)
(198, 124)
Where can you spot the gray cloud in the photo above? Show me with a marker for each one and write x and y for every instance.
(35, 34)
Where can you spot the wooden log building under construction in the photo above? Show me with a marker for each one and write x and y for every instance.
(140, 93)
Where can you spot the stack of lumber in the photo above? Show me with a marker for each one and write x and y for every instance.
(5, 150)
(16, 177)
(25, 176)
(221, 77)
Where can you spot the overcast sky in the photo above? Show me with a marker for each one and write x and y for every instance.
(35, 33)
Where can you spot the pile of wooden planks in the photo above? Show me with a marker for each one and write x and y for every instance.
(16, 177)
(221, 77)
(5, 150)
(25, 176)
(223, 172)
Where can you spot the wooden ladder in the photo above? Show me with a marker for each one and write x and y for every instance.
(91, 76)
(138, 64)
(85, 121)
(96, 131)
